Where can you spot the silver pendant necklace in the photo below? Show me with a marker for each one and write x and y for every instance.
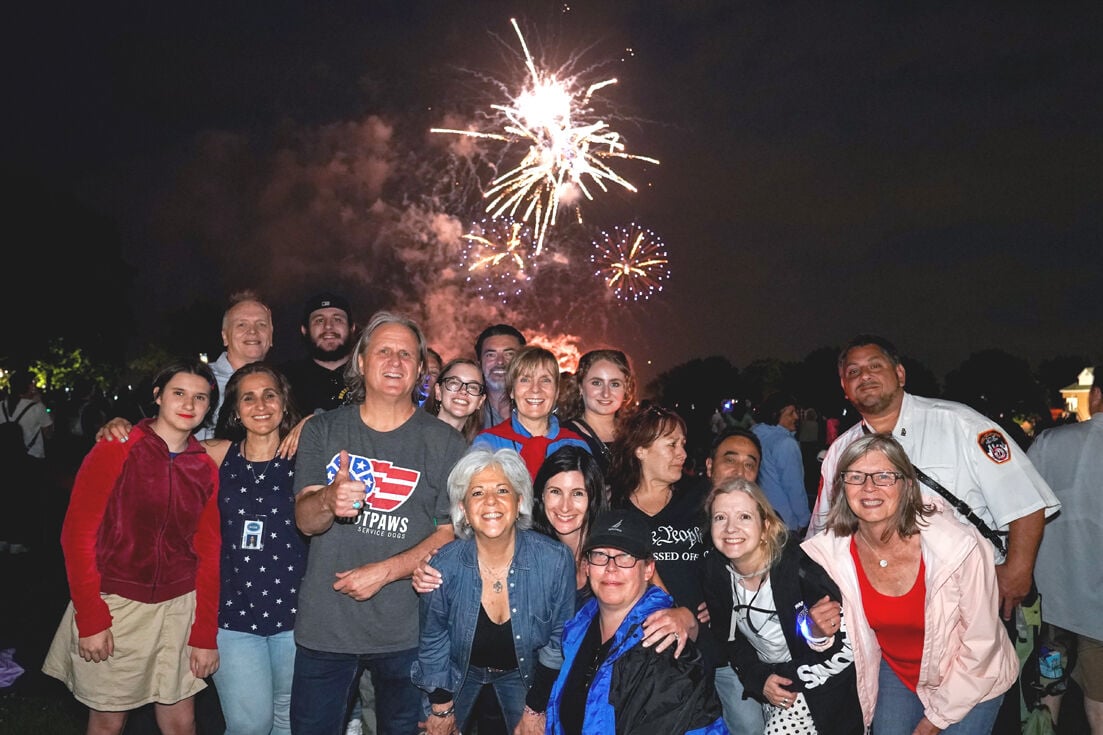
(496, 574)
(880, 562)
(249, 464)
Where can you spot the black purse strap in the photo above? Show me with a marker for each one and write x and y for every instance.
(965, 510)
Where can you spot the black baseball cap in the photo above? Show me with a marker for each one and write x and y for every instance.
(326, 300)
(620, 529)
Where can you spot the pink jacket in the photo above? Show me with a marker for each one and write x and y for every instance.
(968, 657)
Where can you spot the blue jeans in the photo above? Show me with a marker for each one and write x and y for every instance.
(324, 682)
(508, 687)
(254, 682)
(740, 715)
(899, 710)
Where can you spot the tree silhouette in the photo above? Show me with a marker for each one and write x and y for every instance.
(695, 389)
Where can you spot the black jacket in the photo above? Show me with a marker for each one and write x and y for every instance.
(827, 678)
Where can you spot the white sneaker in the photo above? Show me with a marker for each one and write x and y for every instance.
(18, 549)
(356, 727)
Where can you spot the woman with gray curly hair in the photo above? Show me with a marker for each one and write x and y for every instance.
(497, 618)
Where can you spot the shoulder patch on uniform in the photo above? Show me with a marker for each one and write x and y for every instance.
(994, 444)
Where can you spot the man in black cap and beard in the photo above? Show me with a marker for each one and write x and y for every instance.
(318, 380)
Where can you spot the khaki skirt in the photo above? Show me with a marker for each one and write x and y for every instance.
(151, 661)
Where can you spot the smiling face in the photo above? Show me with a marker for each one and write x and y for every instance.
(566, 501)
(390, 361)
(736, 456)
(534, 393)
(662, 459)
(490, 504)
(603, 388)
(873, 504)
(497, 352)
(259, 404)
(459, 404)
(247, 332)
(329, 332)
(871, 382)
(738, 529)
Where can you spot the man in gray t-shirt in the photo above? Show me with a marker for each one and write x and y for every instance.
(371, 492)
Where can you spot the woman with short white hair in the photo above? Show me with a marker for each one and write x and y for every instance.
(497, 618)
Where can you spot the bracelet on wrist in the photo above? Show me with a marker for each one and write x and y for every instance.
(533, 712)
(443, 713)
(804, 624)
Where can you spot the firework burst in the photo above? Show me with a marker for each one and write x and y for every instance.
(632, 261)
(569, 147)
(496, 255)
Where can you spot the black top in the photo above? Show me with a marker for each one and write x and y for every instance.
(313, 386)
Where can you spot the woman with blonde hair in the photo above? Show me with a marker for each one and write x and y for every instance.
(532, 430)
(773, 607)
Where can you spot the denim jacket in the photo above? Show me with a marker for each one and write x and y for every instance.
(541, 584)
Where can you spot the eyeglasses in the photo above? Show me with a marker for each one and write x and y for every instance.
(600, 559)
(452, 384)
(880, 479)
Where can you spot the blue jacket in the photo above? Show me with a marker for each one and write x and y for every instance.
(541, 599)
(636, 690)
(781, 475)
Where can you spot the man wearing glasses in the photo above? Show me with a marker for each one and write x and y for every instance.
(962, 456)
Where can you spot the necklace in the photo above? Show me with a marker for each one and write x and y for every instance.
(249, 463)
(880, 562)
(739, 576)
(496, 574)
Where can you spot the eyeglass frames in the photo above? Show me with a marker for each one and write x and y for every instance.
(880, 479)
(600, 559)
(452, 384)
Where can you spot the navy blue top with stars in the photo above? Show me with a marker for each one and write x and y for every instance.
(262, 565)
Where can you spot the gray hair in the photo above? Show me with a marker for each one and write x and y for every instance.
(475, 461)
(911, 511)
(354, 378)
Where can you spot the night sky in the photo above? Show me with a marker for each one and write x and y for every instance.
(931, 172)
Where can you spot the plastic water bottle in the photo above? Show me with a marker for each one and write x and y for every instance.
(1050, 664)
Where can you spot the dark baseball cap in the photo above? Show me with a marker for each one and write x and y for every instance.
(326, 300)
(620, 529)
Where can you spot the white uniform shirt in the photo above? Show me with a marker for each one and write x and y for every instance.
(966, 452)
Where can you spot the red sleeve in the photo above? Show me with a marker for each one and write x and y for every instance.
(208, 547)
(94, 483)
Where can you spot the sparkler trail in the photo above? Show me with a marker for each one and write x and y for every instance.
(632, 261)
(570, 147)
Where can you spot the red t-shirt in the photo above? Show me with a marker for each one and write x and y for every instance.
(898, 622)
